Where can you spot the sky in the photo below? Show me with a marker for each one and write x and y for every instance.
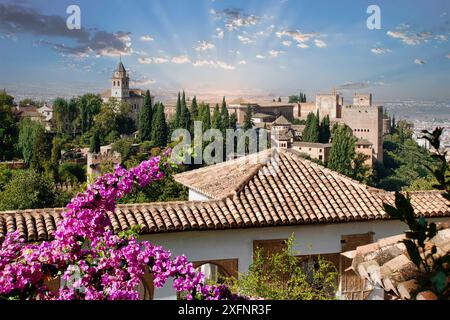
(234, 48)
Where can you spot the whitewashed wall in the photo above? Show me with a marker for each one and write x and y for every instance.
(229, 244)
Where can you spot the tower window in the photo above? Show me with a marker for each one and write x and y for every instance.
(118, 83)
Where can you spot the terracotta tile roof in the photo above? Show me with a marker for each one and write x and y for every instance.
(278, 189)
(281, 121)
(386, 264)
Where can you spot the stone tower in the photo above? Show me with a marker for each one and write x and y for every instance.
(120, 83)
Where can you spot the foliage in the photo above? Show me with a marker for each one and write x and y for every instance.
(185, 115)
(342, 151)
(71, 173)
(404, 163)
(95, 263)
(280, 276)
(32, 143)
(205, 116)
(124, 147)
(433, 268)
(65, 112)
(146, 118)
(248, 122)
(311, 133)
(54, 159)
(325, 132)
(216, 122)
(224, 116)
(89, 106)
(8, 133)
(297, 99)
(27, 189)
(177, 112)
(95, 142)
(113, 120)
(160, 129)
(6, 99)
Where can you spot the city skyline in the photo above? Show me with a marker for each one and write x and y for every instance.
(228, 47)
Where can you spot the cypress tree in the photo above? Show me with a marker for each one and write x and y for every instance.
(160, 129)
(185, 119)
(312, 128)
(146, 118)
(177, 112)
(95, 142)
(205, 116)
(342, 152)
(216, 122)
(233, 121)
(325, 133)
(54, 159)
(225, 117)
(194, 109)
(248, 122)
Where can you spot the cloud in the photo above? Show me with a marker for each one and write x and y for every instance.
(441, 38)
(259, 56)
(142, 82)
(448, 56)
(180, 59)
(408, 37)
(380, 51)
(320, 43)
(245, 40)
(360, 85)
(147, 38)
(235, 18)
(420, 62)
(242, 62)
(204, 46)
(296, 35)
(213, 64)
(145, 60)
(275, 53)
(16, 19)
(301, 38)
(154, 60)
(160, 60)
(286, 43)
(220, 34)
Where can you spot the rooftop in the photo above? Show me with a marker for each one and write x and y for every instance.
(261, 190)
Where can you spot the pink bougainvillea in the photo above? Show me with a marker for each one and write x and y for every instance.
(95, 263)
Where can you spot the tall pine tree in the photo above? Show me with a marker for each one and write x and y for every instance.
(95, 142)
(205, 116)
(159, 127)
(145, 118)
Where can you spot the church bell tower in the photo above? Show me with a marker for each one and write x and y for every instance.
(120, 83)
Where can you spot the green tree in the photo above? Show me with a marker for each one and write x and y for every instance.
(205, 116)
(95, 142)
(224, 116)
(185, 116)
(311, 133)
(32, 143)
(159, 127)
(54, 159)
(89, 106)
(146, 118)
(216, 122)
(248, 122)
(325, 132)
(233, 121)
(8, 133)
(281, 276)
(342, 151)
(6, 99)
(124, 147)
(178, 112)
(28, 189)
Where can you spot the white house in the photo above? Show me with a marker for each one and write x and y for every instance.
(257, 201)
